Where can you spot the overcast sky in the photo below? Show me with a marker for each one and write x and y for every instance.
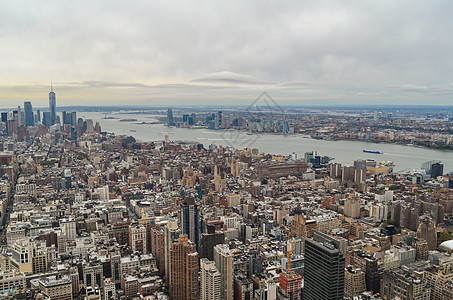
(226, 52)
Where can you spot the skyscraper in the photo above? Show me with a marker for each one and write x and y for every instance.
(210, 281)
(90, 126)
(64, 117)
(67, 179)
(183, 270)
(46, 119)
(170, 117)
(209, 240)
(157, 244)
(73, 118)
(190, 220)
(219, 120)
(29, 118)
(324, 270)
(171, 233)
(19, 117)
(38, 116)
(52, 106)
(223, 258)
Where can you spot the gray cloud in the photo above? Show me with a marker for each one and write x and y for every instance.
(185, 51)
(230, 78)
(427, 90)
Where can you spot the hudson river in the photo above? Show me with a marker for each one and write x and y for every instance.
(344, 152)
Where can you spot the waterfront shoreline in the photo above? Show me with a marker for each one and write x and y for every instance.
(345, 151)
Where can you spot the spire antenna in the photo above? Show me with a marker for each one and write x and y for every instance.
(51, 87)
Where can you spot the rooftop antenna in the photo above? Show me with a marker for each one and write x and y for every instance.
(51, 87)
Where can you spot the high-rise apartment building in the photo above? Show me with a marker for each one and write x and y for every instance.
(335, 170)
(183, 270)
(11, 126)
(324, 270)
(352, 207)
(52, 106)
(223, 258)
(210, 281)
(171, 234)
(347, 173)
(157, 241)
(359, 175)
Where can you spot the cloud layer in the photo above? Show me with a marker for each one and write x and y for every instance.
(212, 52)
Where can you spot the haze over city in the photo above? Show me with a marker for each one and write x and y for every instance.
(209, 52)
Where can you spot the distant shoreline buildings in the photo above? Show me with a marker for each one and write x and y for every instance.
(377, 127)
(24, 124)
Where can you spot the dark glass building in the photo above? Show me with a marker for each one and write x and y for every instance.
(29, 118)
(52, 106)
(170, 117)
(323, 270)
(47, 119)
(437, 169)
(190, 220)
(208, 241)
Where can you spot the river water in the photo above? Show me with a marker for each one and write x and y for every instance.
(344, 152)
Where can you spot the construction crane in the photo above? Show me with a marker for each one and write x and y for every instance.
(288, 255)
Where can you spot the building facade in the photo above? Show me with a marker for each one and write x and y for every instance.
(210, 281)
(223, 258)
(183, 270)
(323, 272)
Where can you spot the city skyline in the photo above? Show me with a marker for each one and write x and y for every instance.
(304, 52)
(246, 150)
(89, 209)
